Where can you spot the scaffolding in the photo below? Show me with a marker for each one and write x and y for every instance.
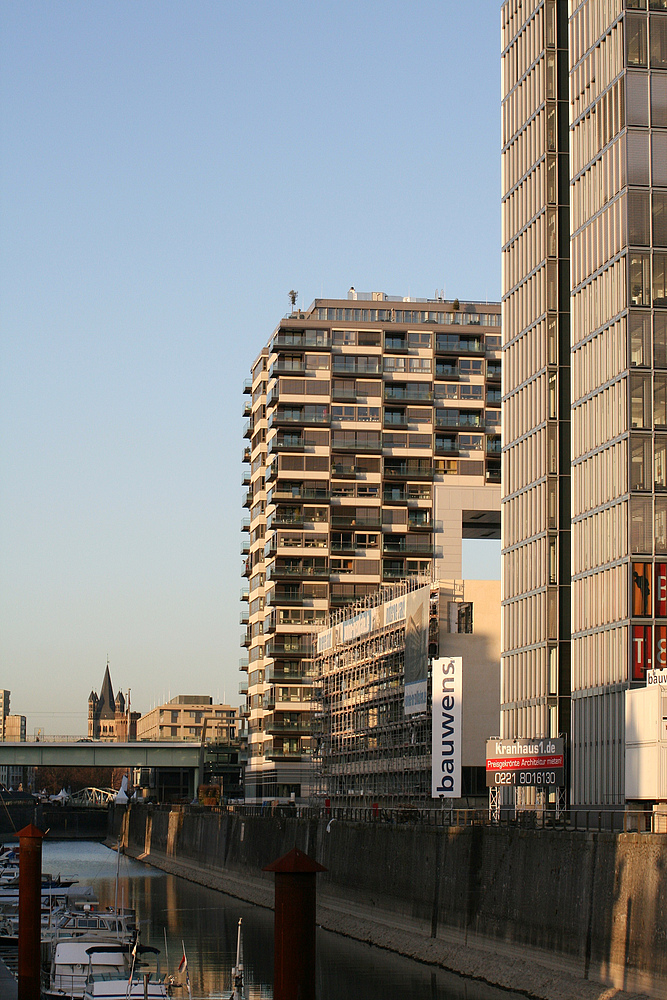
(366, 751)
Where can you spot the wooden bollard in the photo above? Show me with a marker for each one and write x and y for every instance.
(294, 934)
(30, 911)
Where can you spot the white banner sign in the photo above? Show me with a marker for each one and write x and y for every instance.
(656, 677)
(416, 651)
(447, 721)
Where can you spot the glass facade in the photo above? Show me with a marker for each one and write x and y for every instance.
(595, 357)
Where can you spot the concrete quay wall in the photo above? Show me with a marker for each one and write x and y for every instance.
(593, 905)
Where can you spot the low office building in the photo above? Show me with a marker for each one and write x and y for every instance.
(371, 744)
(184, 718)
(373, 447)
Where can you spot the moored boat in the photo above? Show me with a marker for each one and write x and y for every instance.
(142, 983)
(75, 960)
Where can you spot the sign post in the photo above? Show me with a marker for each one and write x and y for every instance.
(537, 762)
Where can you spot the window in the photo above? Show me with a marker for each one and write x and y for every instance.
(660, 279)
(660, 477)
(635, 40)
(641, 589)
(640, 338)
(660, 340)
(640, 401)
(640, 270)
(419, 340)
(660, 400)
(658, 41)
(638, 218)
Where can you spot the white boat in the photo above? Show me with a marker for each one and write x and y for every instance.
(85, 919)
(75, 960)
(140, 983)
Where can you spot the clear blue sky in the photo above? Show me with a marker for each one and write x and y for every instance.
(168, 172)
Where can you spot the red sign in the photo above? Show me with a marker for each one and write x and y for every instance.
(660, 590)
(522, 763)
(660, 652)
(641, 651)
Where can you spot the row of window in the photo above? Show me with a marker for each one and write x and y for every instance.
(394, 315)
(599, 182)
(603, 41)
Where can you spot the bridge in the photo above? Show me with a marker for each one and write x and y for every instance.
(97, 753)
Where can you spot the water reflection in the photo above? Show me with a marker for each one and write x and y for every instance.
(173, 913)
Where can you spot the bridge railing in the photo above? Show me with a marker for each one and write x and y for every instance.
(612, 821)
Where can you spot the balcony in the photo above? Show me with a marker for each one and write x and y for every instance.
(247, 429)
(246, 639)
(354, 521)
(291, 728)
(247, 498)
(417, 392)
(245, 524)
(296, 417)
(286, 442)
(246, 455)
(447, 371)
(283, 367)
(243, 687)
(245, 594)
(282, 519)
(247, 385)
(278, 675)
(356, 444)
(245, 547)
(300, 339)
(408, 469)
(243, 662)
(282, 596)
(282, 491)
(447, 446)
(493, 475)
(309, 572)
(460, 419)
(246, 477)
(280, 753)
(247, 408)
(344, 395)
(243, 617)
(350, 364)
(417, 524)
(451, 343)
(302, 647)
(407, 546)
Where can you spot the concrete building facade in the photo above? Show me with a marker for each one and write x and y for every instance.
(373, 446)
(184, 718)
(367, 749)
(584, 133)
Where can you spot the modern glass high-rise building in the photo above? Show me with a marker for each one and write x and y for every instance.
(584, 513)
(373, 447)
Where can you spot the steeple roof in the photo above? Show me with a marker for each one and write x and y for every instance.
(107, 702)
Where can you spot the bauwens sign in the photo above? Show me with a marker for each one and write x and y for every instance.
(447, 720)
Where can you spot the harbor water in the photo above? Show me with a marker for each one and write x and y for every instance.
(175, 915)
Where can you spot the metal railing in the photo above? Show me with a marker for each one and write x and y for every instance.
(584, 820)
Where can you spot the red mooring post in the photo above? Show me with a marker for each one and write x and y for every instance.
(30, 895)
(294, 934)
